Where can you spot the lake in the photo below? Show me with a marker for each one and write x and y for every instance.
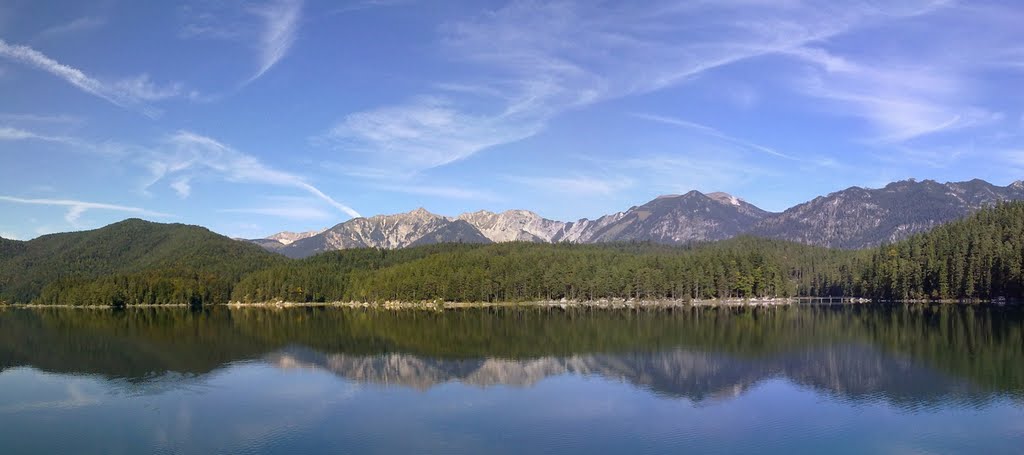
(896, 379)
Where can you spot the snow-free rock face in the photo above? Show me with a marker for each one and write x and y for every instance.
(742, 206)
(457, 231)
(287, 238)
(859, 218)
(667, 219)
(673, 219)
(514, 225)
(417, 227)
(278, 241)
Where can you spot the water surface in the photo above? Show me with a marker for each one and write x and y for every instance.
(843, 379)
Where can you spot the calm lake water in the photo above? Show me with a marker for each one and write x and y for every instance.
(850, 379)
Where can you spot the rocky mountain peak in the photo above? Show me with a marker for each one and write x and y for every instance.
(520, 213)
(726, 198)
(418, 215)
(513, 225)
(287, 237)
(421, 212)
(688, 196)
(858, 217)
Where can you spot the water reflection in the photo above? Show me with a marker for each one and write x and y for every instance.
(908, 356)
(849, 372)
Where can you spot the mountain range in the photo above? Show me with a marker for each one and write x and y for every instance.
(852, 218)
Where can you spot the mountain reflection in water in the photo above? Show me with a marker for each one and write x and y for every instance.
(908, 356)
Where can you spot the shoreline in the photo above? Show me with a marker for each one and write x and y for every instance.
(610, 304)
(453, 305)
(605, 304)
(93, 307)
(547, 304)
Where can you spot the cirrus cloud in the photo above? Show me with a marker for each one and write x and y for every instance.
(77, 208)
(131, 93)
(187, 155)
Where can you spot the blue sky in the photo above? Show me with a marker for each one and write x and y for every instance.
(255, 117)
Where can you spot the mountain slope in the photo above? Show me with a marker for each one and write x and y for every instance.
(675, 219)
(382, 231)
(458, 231)
(514, 225)
(859, 218)
(277, 241)
(267, 244)
(10, 247)
(128, 247)
(287, 237)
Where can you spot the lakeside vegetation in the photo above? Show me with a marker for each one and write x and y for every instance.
(135, 262)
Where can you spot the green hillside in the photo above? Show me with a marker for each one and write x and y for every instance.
(188, 259)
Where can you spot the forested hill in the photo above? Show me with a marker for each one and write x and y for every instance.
(162, 262)
(979, 257)
(137, 262)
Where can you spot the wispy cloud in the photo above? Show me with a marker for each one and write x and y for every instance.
(182, 186)
(27, 55)
(143, 89)
(74, 144)
(37, 118)
(580, 185)
(368, 4)
(8, 133)
(187, 156)
(902, 101)
(130, 93)
(269, 28)
(281, 24)
(710, 169)
(423, 134)
(536, 60)
(77, 25)
(184, 157)
(710, 131)
(443, 191)
(77, 208)
(291, 212)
